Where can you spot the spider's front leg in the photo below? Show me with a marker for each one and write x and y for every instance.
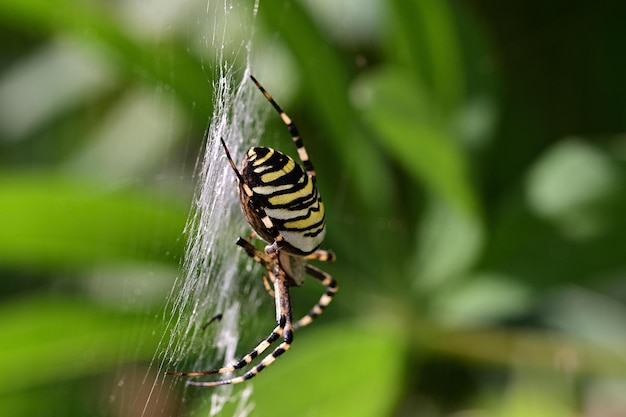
(260, 257)
(293, 131)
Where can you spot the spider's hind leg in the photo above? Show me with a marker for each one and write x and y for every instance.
(322, 255)
(331, 289)
(284, 328)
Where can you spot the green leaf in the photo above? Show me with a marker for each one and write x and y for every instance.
(411, 131)
(572, 184)
(46, 340)
(53, 221)
(342, 371)
(566, 223)
(537, 396)
(168, 64)
(449, 243)
(426, 32)
(480, 300)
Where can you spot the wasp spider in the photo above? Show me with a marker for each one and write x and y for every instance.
(282, 205)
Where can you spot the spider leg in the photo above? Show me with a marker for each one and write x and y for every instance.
(284, 328)
(322, 256)
(259, 256)
(293, 131)
(252, 235)
(331, 289)
(321, 276)
(234, 167)
(268, 287)
(260, 348)
(262, 258)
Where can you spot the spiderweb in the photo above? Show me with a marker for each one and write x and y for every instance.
(210, 283)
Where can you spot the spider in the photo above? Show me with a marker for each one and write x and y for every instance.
(281, 203)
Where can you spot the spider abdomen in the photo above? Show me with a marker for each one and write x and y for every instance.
(289, 197)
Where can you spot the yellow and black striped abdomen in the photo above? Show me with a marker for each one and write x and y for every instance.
(288, 196)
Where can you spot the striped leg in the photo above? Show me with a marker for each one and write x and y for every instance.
(293, 131)
(284, 328)
(262, 258)
(260, 348)
(325, 299)
(323, 277)
(322, 256)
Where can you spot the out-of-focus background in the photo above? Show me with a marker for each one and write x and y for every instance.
(470, 155)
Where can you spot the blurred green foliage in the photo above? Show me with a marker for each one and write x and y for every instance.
(471, 157)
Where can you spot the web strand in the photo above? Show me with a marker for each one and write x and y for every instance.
(210, 282)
